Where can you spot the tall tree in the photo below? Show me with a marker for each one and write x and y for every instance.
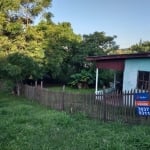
(17, 67)
(140, 47)
(58, 39)
(18, 36)
(92, 45)
(15, 33)
(24, 10)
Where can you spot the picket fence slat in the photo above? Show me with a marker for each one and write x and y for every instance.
(107, 107)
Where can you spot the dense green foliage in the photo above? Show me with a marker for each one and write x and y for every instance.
(47, 48)
(54, 48)
(21, 46)
(141, 47)
(82, 79)
(26, 125)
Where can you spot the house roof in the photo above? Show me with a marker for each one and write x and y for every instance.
(115, 62)
(118, 57)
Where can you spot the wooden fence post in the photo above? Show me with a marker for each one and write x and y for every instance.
(62, 104)
(104, 98)
(36, 83)
(41, 84)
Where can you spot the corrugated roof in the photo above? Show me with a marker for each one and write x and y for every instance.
(118, 57)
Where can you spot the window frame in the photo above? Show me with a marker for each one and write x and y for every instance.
(143, 80)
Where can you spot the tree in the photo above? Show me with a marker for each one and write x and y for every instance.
(24, 10)
(16, 33)
(98, 43)
(58, 39)
(141, 47)
(92, 45)
(17, 67)
(55, 48)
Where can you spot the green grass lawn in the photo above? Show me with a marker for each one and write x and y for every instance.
(72, 90)
(26, 125)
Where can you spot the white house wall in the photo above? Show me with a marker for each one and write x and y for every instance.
(132, 66)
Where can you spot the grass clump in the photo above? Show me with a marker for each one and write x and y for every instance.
(27, 125)
(71, 90)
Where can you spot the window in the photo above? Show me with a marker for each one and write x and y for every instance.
(143, 81)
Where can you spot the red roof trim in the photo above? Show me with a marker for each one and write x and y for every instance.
(115, 62)
(114, 65)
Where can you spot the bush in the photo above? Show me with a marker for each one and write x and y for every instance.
(82, 79)
(6, 85)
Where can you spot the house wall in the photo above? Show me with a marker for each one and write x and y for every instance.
(132, 66)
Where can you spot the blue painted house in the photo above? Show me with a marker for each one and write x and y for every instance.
(135, 68)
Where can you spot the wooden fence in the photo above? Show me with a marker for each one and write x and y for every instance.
(106, 107)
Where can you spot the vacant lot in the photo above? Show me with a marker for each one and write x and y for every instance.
(28, 126)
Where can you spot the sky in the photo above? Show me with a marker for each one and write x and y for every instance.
(128, 19)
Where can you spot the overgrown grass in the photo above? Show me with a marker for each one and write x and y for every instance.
(71, 90)
(26, 125)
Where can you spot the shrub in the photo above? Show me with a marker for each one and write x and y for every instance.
(82, 79)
